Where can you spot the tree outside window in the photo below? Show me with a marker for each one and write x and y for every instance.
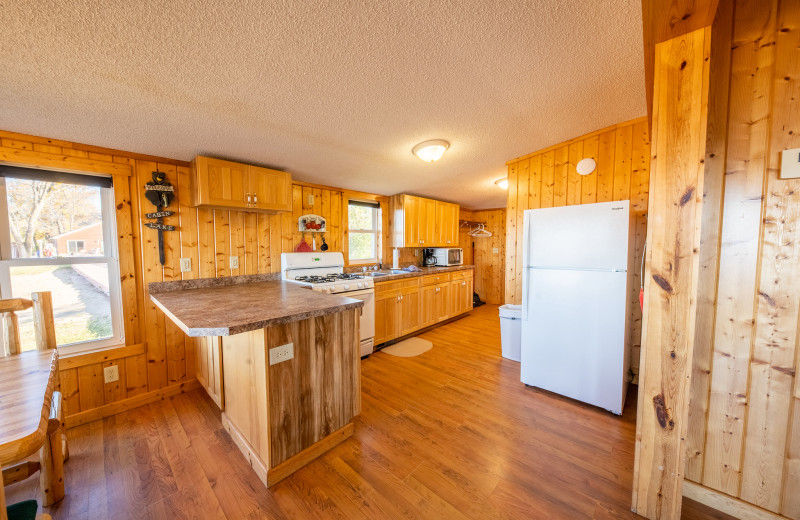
(364, 230)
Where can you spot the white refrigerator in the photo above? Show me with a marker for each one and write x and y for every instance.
(576, 292)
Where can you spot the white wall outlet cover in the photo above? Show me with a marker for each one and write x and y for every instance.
(111, 374)
(586, 166)
(234, 262)
(311, 200)
(790, 164)
(281, 353)
(186, 265)
(495, 250)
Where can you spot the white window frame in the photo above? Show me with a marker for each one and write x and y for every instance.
(110, 258)
(376, 230)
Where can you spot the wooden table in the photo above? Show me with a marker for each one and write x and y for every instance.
(27, 382)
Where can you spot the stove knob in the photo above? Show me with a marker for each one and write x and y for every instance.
(360, 285)
(346, 287)
(332, 288)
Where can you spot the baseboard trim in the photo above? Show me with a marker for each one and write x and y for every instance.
(726, 504)
(108, 410)
(295, 462)
(258, 465)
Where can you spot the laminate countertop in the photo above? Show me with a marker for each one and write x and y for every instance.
(225, 310)
(389, 275)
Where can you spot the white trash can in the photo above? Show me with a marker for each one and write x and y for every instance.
(511, 331)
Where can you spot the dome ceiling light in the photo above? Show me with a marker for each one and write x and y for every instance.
(586, 166)
(503, 183)
(430, 151)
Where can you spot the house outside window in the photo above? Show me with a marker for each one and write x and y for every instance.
(363, 220)
(58, 234)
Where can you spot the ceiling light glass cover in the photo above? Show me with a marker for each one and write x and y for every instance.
(430, 151)
(503, 183)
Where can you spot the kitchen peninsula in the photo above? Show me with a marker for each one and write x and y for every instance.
(288, 361)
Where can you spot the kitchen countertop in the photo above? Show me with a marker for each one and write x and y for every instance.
(218, 308)
(422, 272)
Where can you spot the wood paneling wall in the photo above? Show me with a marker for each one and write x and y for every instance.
(158, 358)
(744, 411)
(489, 265)
(548, 178)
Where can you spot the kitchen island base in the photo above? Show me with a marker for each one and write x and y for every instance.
(283, 416)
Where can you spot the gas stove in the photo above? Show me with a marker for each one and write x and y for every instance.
(323, 272)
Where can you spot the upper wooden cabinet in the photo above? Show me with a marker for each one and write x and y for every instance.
(227, 184)
(421, 222)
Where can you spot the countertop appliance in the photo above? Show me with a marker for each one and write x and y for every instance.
(576, 287)
(448, 256)
(428, 257)
(324, 272)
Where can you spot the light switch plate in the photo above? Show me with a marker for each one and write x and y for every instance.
(311, 200)
(111, 374)
(281, 353)
(186, 265)
(790, 164)
(234, 262)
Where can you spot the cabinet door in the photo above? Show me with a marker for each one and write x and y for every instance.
(409, 311)
(411, 220)
(427, 222)
(428, 300)
(387, 317)
(442, 301)
(221, 183)
(452, 239)
(270, 189)
(209, 367)
(468, 295)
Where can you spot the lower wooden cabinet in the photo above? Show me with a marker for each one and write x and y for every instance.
(209, 367)
(405, 306)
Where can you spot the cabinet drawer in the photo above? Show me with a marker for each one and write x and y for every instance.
(382, 288)
(430, 279)
(460, 275)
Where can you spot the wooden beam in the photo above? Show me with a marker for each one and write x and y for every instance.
(664, 20)
(675, 212)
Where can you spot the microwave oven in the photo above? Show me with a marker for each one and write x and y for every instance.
(448, 256)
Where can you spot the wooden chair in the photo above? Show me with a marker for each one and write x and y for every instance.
(55, 449)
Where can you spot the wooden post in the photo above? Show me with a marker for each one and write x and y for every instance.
(43, 321)
(51, 458)
(680, 106)
(11, 332)
(3, 514)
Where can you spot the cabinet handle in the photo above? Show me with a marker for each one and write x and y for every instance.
(255, 199)
(249, 201)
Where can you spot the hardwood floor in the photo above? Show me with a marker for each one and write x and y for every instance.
(450, 434)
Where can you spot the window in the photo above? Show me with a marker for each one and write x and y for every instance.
(363, 221)
(58, 234)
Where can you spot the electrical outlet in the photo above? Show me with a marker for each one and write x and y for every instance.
(234, 262)
(416, 252)
(495, 250)
(186, 265)
(311, 200)
(790, 164)
(281, 354)
(111, 374)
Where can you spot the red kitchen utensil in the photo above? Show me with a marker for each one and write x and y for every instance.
(303, 247)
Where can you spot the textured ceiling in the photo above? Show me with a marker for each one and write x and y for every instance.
(336, 92)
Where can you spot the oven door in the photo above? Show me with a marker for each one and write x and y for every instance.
(367, 321)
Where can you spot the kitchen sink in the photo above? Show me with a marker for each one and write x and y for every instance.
(375, 274)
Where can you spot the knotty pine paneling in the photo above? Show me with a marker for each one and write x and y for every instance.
(744, 432)
(207, 237)
(548, 178)
(489, 266)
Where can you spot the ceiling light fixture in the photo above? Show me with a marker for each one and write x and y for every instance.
(585, 166)
(430, 151)
(503, 183)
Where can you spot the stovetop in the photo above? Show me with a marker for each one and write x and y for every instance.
(328, 278)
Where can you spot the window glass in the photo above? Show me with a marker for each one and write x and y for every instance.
(364, 226)
(50, 219)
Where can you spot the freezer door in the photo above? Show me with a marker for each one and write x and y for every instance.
(593, 236)
(573, 335)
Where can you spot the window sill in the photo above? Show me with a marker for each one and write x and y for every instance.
(70, 357)
(70, 351)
